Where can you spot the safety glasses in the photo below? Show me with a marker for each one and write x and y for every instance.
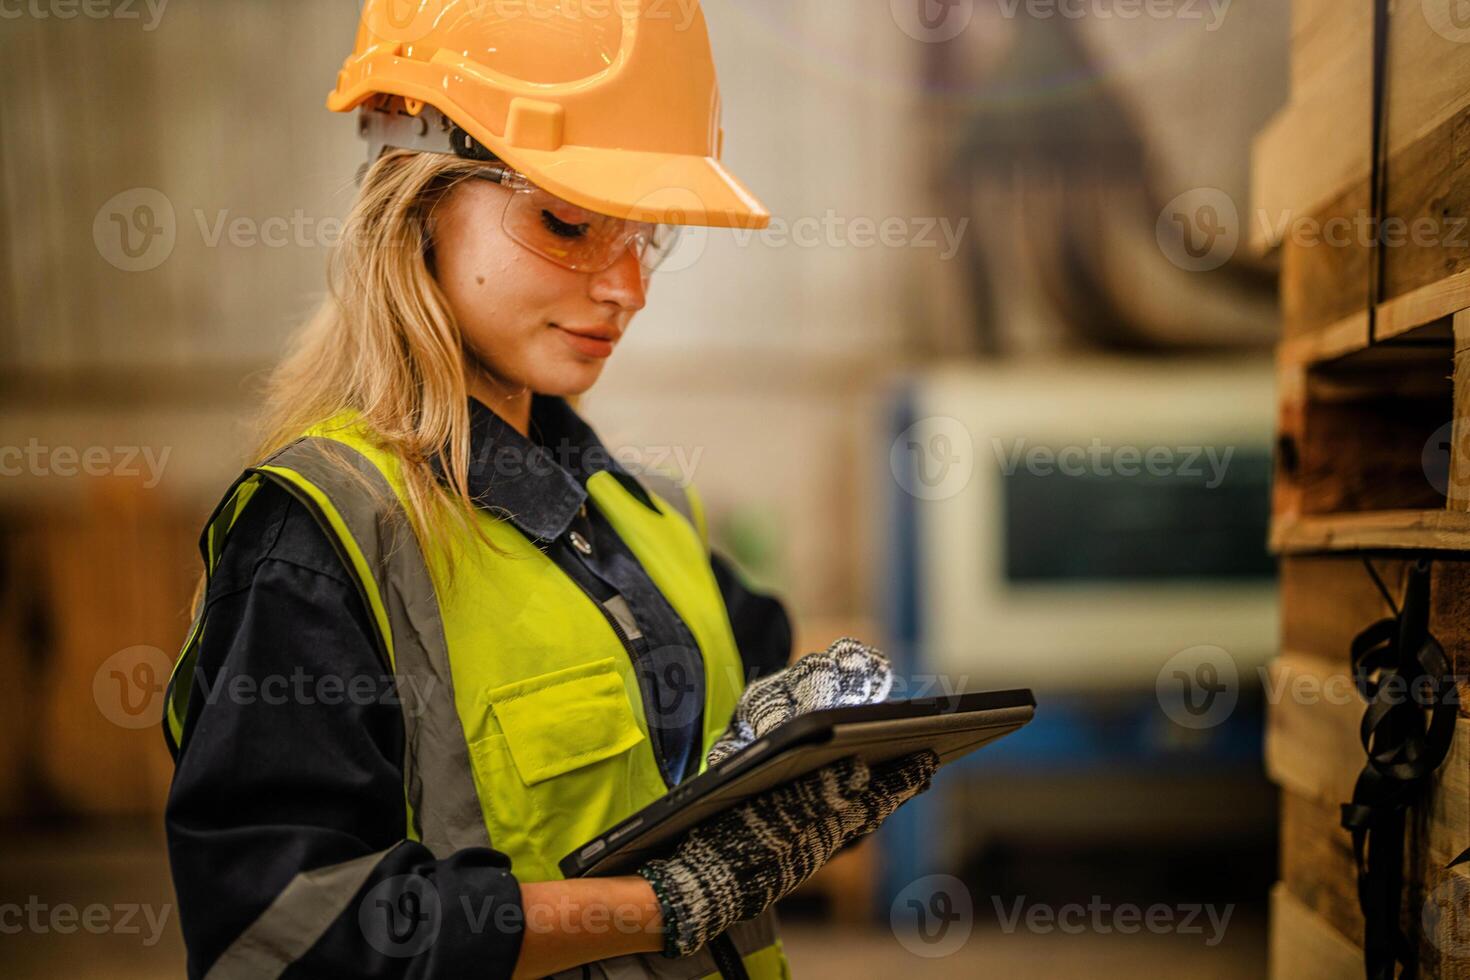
(571, 236)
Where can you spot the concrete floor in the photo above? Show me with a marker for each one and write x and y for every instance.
(126, 870)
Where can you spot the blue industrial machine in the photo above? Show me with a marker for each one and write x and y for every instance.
(1078, 528)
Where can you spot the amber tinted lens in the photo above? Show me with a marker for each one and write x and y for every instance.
(568, 235)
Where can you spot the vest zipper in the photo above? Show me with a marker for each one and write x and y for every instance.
(658, 755)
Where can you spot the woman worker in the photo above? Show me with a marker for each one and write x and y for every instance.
(444, 637)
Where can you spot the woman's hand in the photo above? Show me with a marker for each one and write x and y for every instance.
(734, 865)
(848, 673)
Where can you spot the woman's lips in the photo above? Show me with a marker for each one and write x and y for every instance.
(591, 343)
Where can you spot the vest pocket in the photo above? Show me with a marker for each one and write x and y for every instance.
(564, 765)
(564, 720)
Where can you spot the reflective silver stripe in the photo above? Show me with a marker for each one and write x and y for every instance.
(294, 921)
(436, 765)
(748, 936)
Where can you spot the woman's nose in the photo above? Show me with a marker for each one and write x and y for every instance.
(624, 282)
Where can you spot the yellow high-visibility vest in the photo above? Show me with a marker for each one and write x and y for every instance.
(523, 719)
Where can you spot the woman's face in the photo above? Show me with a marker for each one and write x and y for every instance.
(529, 322)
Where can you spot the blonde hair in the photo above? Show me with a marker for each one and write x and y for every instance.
(384, 344)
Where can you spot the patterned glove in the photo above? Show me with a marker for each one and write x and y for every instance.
(848, 673)
(734, 865)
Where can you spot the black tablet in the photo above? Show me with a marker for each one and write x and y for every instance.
(952, 726)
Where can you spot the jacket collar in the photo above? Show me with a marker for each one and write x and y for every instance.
(539, 483)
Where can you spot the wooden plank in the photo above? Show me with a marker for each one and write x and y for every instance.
(1326, 249)
(1327, 38)
(1458, 497)
(1460, 326)
(1326, 601)
(1313, 714)
(1306, 947)
(1458, 479)
(1440, 906)
(1429, 72)
(1400, 530)
(1317, 862)
(1306, 154)
(1324, 259)
(1335, 340)
(1317, 147)
(1438, 897)
(1303, 158)
(1319, 874)
(1449, 618)
(1448, 805)
(1424, 306)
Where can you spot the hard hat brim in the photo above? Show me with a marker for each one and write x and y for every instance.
(664, 188)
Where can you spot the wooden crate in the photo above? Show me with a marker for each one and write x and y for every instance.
(1314, 754)
(1372, 459)
(1311, 167)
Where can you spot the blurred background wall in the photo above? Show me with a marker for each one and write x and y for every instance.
(983, 211)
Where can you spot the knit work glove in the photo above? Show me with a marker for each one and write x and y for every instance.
(848, 673)
(734, 865)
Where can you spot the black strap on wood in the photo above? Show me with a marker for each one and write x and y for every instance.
(1378, 173)
(1404, 675)
(727, 958)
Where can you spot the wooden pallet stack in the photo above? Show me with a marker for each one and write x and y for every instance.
(1373, 456)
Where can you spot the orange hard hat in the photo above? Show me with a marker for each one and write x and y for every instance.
(610, 104)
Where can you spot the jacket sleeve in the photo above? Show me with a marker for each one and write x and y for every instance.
(286, 818)
(762, 627)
